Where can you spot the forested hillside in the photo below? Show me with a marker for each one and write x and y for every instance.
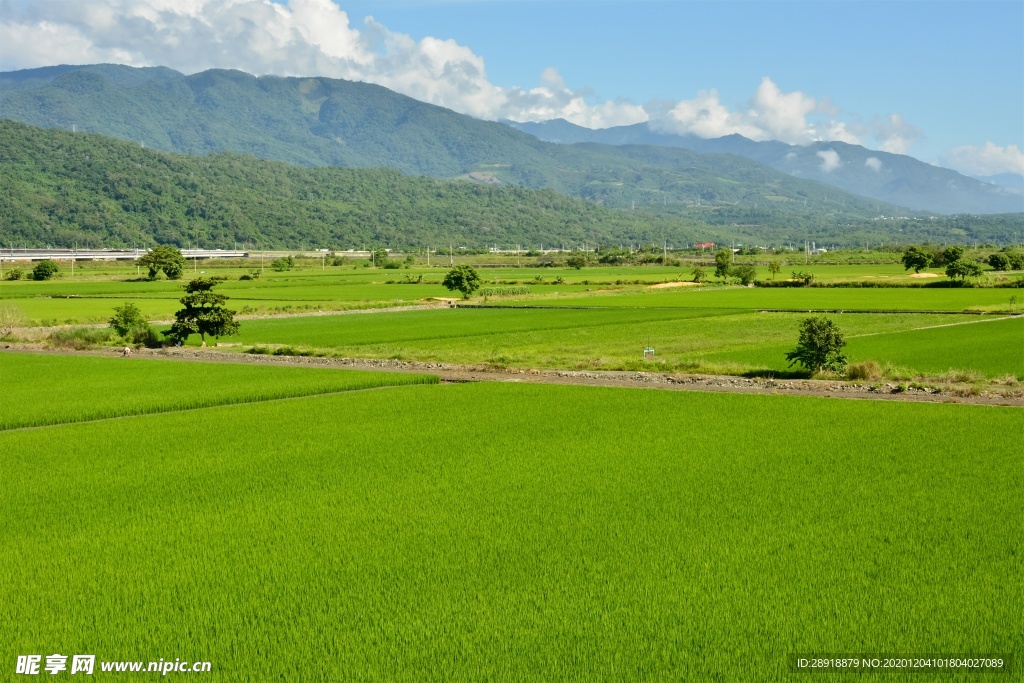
(58, 188)
(332, 122)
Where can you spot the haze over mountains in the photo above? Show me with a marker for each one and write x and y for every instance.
(894, 178)
(772, 190)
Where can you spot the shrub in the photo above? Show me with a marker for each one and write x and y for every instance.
(45, 270)
(10, 317)
(282, 264)
(504, 291)
(577, 260)
(867, 370)
(807, 278)
(80, 338)
(15, 274)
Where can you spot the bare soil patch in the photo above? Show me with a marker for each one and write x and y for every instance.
(923, 275)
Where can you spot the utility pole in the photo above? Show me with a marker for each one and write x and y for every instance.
(73, 254)
(451, 255)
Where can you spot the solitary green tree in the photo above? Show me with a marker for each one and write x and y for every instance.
(746, 273)
(723, 263)
(699, 274)
(916, 258)
(127, 318)
(774, 267)
(819, 346)
(577, 260)
(165, 258)
(462, 279)
(961, 269)
(45, 270)
(203, 313)
(999, 262)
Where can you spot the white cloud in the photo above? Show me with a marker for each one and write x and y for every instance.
(874, 163)
(985, 161)
(299, 38)
(895, 134)
(771, 114)
(829, 160)
(317, 38)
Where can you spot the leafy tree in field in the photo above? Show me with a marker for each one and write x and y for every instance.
(577, 260)
(45, 270)
(699, 274)
(130, 324)
(1015, 259)
(746, 273)
(282, 264)
(165, 258)
(999, 262)
(948, 255)
(462, 279)
(203, 313)
(15, 274)
(819, 346)
(962, 269)
(723, 263)
(774, 267)
(916, 258)
(127, 318)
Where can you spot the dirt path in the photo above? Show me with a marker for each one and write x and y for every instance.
(452, 373)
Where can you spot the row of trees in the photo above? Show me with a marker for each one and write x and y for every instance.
(917, 258)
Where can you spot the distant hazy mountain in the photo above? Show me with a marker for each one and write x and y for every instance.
(324, 122)
(1012, 180)
(893, 178)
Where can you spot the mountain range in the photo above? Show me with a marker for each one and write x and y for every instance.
(332, 122)
(729, 186)
(893, 178)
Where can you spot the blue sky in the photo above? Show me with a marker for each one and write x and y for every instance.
(940, 80)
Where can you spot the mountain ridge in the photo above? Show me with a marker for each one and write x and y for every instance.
(332, 122)
(892, 178)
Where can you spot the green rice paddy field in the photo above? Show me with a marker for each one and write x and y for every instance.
(734, 339)
(52, 389)
(508, 532)
(992, 347)
(89, 296)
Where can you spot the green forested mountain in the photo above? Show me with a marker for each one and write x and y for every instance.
(57, 188)
(331, 122)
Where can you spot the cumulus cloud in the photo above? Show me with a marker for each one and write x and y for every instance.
(895, 134)
(771, 114)
(299, 38)
(985, 161)
(317, 38)
(829, 160)
(874, 163)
